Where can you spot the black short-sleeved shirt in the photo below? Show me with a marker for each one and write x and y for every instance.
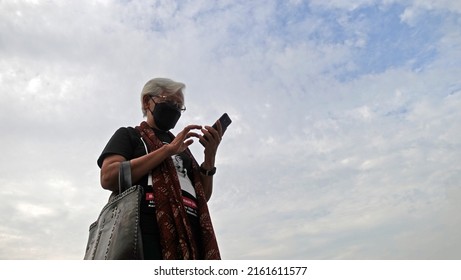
(127, 142)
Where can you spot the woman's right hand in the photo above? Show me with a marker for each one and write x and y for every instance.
(183, 139)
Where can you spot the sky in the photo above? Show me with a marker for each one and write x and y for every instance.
(345, 142)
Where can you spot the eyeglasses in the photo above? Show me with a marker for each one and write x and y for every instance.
(180, 107)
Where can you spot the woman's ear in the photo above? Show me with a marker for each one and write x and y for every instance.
(145, 102)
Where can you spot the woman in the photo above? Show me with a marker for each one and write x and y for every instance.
(175, 222)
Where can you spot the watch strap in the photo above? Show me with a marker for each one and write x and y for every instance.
(207, 172)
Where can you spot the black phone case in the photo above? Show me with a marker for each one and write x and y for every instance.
(225, 122)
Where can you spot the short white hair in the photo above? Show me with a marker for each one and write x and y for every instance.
(160, 86)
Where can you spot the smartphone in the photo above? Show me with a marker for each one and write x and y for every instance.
(225, 121)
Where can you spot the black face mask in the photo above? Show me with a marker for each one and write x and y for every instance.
(166, 116)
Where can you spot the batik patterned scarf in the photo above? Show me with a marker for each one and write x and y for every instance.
(176, 236)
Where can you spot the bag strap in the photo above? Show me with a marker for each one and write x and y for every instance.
(124, 176)
(149, 179)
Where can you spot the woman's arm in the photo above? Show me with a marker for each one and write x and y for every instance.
(211, 143)
(139, 167)
(207, 181)
(143, 165)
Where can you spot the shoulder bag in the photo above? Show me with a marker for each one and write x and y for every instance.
(116, 234)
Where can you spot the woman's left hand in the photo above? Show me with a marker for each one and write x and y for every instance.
(210, 139)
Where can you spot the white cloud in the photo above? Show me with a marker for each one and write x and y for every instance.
(33, 211)
(318, 162)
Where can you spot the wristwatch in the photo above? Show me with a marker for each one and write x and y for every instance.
(206, 172)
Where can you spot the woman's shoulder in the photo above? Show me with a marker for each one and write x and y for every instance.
(127, 131)
(132, 131)
(125, 135)
(125, 141)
